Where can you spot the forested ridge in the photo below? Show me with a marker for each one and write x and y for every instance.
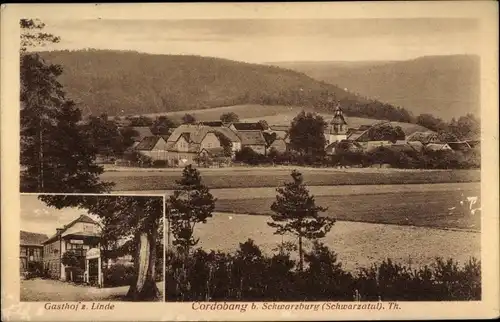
(446, 86)
(128, 82)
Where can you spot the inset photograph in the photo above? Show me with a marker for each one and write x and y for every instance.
(91, 247)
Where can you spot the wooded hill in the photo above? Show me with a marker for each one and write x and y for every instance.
(127, 82)
(445, 86)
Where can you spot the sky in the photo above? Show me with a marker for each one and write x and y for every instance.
(273, 40)
(37, 217)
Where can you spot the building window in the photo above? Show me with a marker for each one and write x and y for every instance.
(209, 145)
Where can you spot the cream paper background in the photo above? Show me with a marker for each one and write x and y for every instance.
(485, 11)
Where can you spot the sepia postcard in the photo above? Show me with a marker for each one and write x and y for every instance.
(250, 161)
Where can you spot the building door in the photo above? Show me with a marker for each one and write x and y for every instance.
(94, 271)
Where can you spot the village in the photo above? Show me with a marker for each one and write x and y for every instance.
(217, 143)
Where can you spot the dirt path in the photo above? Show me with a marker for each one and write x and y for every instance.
(53, 290)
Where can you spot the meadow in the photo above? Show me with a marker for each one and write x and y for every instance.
(408, 208)
(356, 244)
(234, 177)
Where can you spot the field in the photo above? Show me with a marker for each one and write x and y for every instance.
(356, 244)
(424, 207)
(164, 179)
(274, 114)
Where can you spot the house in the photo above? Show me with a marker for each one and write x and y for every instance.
(226, 130)
(31, 249)
(424, 137)
(79, 236)
(253, 140)
(474, 143)
(154, 146)
(438, 147)
(187, 141)
(250, 135)
(459, 146)
(231, 136)
(337, 129)
(282, 139)
(142, 132)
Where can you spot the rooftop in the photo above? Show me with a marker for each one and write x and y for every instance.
(32, 239)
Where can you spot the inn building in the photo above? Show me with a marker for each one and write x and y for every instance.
(82, 237)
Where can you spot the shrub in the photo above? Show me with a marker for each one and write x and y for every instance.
(159, 163)
(249, 156)
(74, 274)
(248, 274)
(35, 269)
(119, 275)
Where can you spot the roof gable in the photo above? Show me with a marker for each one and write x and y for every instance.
(424, 137)
(192, 133)
(228, 133)
(82, 218)
(251, 138)
(248, 126)
(148, 143)
(142, 132)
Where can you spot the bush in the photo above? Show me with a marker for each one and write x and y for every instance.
(249, 275)
(159, 164)
(137, 158)
(249, 156)
(35, 269)
(119, 275)
(75, 274)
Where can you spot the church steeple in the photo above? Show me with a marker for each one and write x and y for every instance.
(337, 127)
(339, 124)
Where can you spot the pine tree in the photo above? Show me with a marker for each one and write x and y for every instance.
(56, 155)
(296, 213)
(191, 203)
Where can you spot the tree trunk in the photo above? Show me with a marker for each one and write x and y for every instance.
(301, 259)
(144, 286)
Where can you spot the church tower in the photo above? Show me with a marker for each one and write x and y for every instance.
(337, 129)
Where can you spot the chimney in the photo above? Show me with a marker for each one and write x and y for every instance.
(58, 230)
